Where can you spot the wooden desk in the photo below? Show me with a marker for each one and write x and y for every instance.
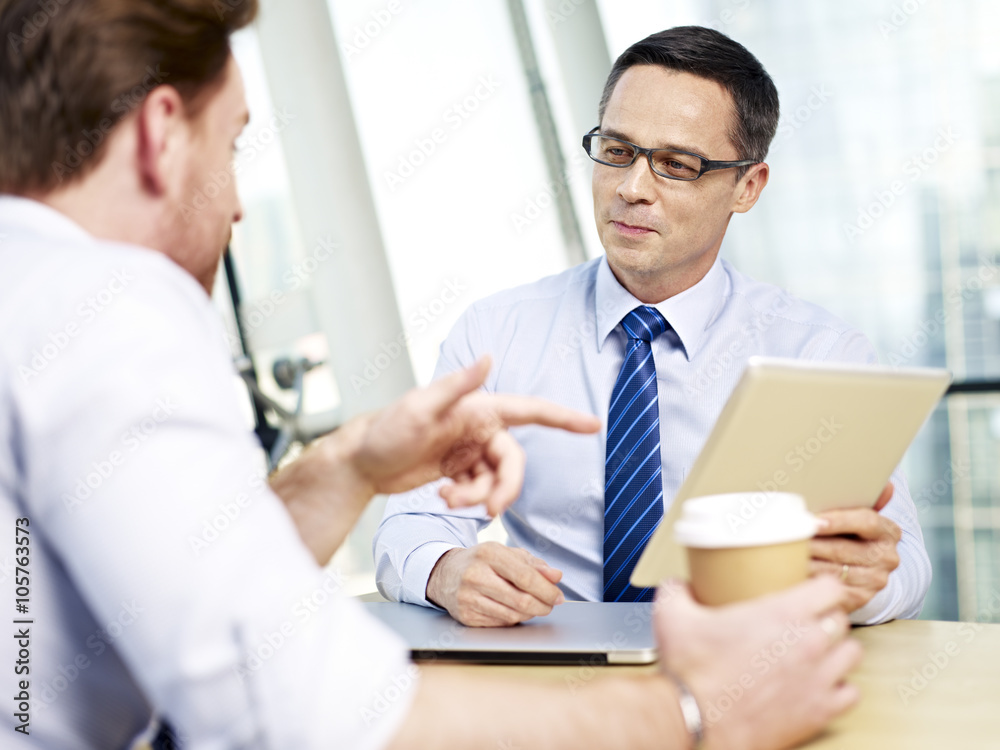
(924, 685)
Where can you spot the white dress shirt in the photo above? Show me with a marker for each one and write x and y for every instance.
(165, 576)
(560, 338)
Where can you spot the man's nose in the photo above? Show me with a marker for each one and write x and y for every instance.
(638, 182)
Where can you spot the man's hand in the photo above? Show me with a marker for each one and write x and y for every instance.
(865, 542)
(491, 585)
(768, 673)
(450, 429)
(447, 429)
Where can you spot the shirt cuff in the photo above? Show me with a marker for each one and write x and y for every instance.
(417, 570)
(894, 602)
(875, 611)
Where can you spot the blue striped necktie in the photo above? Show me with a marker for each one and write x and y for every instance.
(633, 490)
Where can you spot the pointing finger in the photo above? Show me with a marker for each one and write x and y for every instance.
(517, 410)
(443, 394)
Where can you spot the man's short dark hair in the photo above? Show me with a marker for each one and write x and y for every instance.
(710, 54)
(71, 69)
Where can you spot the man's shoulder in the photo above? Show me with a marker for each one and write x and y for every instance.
(577, 282)
(787, 326)
(62, 268)
(62, 289)
(772, 301)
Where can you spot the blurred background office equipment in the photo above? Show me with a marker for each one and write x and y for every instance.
(407, 157)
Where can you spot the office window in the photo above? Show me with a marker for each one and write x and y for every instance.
(453, 156)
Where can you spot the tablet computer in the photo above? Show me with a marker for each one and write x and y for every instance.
(832, 433)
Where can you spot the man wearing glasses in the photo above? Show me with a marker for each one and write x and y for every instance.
(652, 337)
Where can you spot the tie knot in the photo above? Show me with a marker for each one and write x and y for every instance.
(644, 323)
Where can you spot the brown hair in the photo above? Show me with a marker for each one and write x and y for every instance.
(71, 69)
(713, 55)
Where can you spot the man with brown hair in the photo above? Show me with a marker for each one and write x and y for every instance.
(121, 439)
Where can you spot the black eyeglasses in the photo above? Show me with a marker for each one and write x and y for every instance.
(666, 162)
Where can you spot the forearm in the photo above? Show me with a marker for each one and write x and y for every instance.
(324, 492)
(455, 710)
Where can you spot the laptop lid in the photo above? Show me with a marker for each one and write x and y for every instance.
(832, 433)
(592, 633)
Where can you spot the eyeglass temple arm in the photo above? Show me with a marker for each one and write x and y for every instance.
(712, 165)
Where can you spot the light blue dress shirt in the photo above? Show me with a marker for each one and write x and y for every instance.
(560, 338)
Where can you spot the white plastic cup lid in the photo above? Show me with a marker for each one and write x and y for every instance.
(744, 519)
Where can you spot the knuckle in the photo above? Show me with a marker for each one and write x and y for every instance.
(468, 576)
(522, 579)
(875, 553)
(893, 560)
(523, 602)
(508, 620)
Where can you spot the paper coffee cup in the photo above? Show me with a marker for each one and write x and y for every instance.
(745, 544)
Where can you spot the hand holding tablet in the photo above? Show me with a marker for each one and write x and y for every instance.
(830, 433)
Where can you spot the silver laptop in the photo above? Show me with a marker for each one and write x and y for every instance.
(590, 633)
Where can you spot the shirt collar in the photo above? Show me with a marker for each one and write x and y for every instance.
(32, 217)
(688, 313)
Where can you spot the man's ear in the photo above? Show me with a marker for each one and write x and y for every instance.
(161, 135)
(753, 183)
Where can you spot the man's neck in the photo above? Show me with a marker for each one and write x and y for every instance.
(653, 288)
(97, 215)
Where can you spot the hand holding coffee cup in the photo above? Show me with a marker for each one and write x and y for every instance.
(745, 544)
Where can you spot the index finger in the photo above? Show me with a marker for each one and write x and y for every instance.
(885, 497)
(862, 522)
(445, 392)
(813, 598)
(518, 410)
(526, 577)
